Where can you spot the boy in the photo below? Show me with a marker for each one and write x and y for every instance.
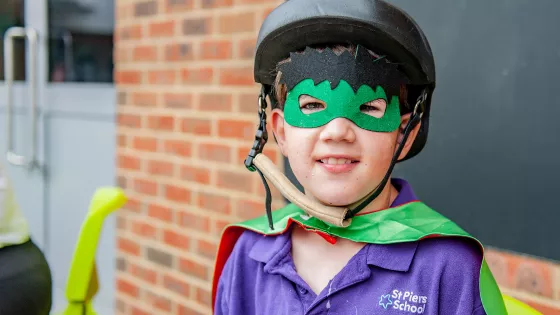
(350, 87)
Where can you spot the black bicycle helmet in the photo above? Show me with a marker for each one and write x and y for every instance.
(374, 24)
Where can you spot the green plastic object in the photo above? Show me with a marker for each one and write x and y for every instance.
(82, 284)
(516, 307)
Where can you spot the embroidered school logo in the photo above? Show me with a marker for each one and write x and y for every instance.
(385, 301)
(405, 301)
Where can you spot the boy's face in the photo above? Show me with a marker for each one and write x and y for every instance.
(338, 162)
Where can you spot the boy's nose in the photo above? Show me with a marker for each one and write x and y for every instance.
(338, 129)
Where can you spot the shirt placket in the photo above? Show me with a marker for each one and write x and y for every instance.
(357, 270)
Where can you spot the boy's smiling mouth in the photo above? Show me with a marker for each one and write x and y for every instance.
(337, 163)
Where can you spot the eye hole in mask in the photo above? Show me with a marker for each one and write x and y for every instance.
(309, 104)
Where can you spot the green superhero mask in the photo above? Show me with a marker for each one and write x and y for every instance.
(341, 102)
(344, 82)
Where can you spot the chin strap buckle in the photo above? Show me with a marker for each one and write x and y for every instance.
(261, 136)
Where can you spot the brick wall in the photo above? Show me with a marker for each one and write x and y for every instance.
(187, 117)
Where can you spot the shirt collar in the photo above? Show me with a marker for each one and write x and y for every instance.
(392, 256)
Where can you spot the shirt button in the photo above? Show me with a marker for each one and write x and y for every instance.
(302, 290)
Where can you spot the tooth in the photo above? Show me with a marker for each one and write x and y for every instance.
(341, 161)
(324, 161)
(348, 161)
(331, 161)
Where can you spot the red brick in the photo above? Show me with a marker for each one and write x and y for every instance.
(145, 8)
(145, 187)
(214, 152)
(184, 310)
(121, 97)
(128, 246)
(249, 209)
(194, 222)
(215, 103)
(135, 310)
(144, 53)
(219, 226)
(216, 50)
(197, 76)
(121, 306)
(123, 11)
(196, 126)
(148, 275)
(193, 268)
(130, 32)
(237, 23)
(235, 181)
(162, 77)
(203, 296)
(178, 147)
(175, 239)
(121, 223)
(177, 194)
(178, 100)
(179, 52)
(197, 26)
(195, 174)
(129, 120)
(122, 182)
(249, 103)
(216, 3)
(128, 77)
(531, 275)
(144, 99)
(161, 122)
(143, 229)
(246, 48)
(179, 5)
(176, 285)
(128, 162)
(160, 302)
(122, 141)
(160, 212)
(144, 144)
(160, 168)
(214, 202)
(237, 76)
(236, 129)
(127, 287)
(133, 204)
(207, 249)
(162, 29)
(121, 55)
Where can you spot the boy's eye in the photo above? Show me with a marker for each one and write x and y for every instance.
(312, 107)
(374, 108)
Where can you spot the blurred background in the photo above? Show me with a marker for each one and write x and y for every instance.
(157, 96)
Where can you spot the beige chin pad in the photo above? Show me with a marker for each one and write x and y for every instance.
(328, 214)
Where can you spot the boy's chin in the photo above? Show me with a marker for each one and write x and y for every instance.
(335, 198)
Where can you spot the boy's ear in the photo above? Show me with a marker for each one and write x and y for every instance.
(411, 137)
(277, 124)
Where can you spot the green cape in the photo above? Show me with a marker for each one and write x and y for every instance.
(406, 223)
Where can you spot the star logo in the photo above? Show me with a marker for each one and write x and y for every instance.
(385, 301)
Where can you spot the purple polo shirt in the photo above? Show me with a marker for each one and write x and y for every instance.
(431, 276)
